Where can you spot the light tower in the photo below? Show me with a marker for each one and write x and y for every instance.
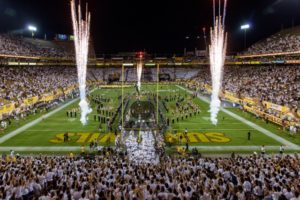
(33, 29)
(245, 27)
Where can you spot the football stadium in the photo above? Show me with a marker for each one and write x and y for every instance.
(178, 112)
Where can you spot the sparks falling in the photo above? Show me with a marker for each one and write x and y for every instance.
(81, 29)
(217, 54)
(139, 69)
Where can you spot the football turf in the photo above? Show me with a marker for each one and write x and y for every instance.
(228, 132)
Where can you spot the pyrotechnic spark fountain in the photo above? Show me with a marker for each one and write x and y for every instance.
(81, 29)
(139, 69)
(217, 54)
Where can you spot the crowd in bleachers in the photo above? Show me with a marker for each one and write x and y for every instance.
(19, 83)
(186, 73)
(112, 177)
(16, 45)
(277, 84)
(281, 42)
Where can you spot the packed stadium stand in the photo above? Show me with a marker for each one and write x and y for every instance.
(24, 82)
(287, 40)
(113, 177)
(19, 46)
(183, 73)
(184, 176)
(267, 83)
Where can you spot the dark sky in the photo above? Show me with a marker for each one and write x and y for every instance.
(158, 26)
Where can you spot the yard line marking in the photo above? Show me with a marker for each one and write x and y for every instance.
(208, 123)
(36, 121)
(235, 148)
(199, 129)
(251, 124)
(60, 131)
(202, 148)
(218, 129)
(44, 148)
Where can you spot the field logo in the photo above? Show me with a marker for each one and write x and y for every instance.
(84, 138)
(197, 138)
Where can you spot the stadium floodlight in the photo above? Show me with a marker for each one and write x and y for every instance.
(33, 29)
(245, 26)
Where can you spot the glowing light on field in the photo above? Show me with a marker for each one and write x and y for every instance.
(217, 54)
(81, 29)
(139, 69)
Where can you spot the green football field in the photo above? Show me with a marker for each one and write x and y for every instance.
(46, 132)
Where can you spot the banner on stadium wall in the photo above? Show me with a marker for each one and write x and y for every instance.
(68, 90)
(255, 62)
(249, 100)
(8, 108)
(278, 61)
(273, 119)
(279, 108)
(253, 110)
(115, 86)
(264, 115)
(293, 61)
(267, 116)
(47, 97)
(231, 98)
(58, 92)
(238, 63)
(227, 95)
(31, 101)
(208, 88)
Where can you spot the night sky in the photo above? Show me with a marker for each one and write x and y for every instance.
(158, 26)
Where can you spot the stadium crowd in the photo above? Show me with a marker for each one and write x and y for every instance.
(15, 45)
(112, 177)
(19, 83)
(277, 84)
(280, 42)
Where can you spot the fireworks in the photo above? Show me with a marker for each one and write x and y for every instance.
(139, 69)
(81, 29)
(217, 54)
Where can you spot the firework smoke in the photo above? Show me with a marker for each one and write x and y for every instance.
(81, 29)
(217, 54)
(139, 69)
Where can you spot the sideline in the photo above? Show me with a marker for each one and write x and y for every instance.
(38, 120)
(203, 149)
(41, 149)
(289, 145)
(34, 122)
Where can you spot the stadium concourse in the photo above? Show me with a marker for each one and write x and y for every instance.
(155, 143)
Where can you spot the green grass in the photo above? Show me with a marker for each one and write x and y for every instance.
(17, 124)
(41, 133)
(270, 126)
(233, 129)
